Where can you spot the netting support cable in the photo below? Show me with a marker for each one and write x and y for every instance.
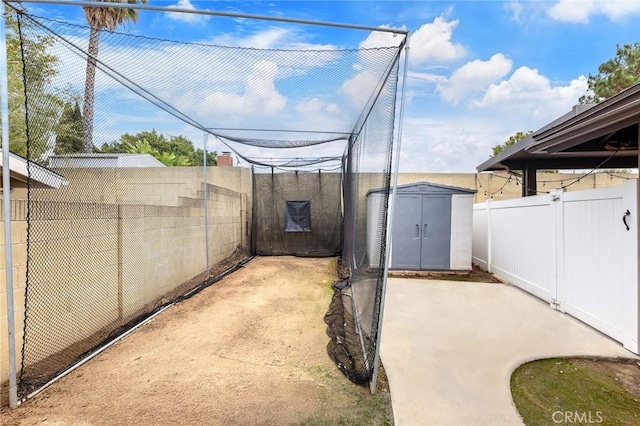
(205, 189)
(394, 192)
(136, 6)
(6, 195)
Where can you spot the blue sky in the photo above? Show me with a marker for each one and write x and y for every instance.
(479, 70)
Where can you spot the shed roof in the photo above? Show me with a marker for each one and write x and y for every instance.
(586, 137)
(99, 160)
(426, 188)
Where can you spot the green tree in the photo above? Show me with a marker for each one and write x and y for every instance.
(509, 142)
(170, 159)
(44, 102)
(212, 159)
(99, 18)
(69, 130)
(175, 151)
(615, 75)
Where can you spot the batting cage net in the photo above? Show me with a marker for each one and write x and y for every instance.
(125, 208)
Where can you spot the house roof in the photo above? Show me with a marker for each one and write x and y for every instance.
(605, 134)
(103, 160)
(41, 176)
(426, 188)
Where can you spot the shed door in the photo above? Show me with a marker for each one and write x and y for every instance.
(436, 232)
(406, 232)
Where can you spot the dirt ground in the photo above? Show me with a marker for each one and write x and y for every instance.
(250, 350)
(476, 275)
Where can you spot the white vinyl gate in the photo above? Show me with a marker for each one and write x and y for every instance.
(571, 249)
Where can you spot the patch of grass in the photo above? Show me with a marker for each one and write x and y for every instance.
(567, 391)
(345, 403)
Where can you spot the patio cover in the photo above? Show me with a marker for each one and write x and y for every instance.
(603, 135)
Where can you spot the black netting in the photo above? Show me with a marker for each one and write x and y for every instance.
(113, 233)
(368, 166)
(311, 200)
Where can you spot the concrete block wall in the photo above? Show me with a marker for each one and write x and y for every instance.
(74, 247)
(19, 250)
(498, 186)
(120, 240)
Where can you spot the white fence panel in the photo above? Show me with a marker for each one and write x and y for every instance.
(596, 246)
(522, 244)
(570, 249)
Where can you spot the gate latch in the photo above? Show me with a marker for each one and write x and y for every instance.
(624, 218)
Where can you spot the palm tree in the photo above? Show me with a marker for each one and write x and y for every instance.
(99, 18)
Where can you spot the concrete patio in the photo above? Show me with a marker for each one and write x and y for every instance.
(449, 348)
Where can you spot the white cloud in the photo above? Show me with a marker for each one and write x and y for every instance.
(381, 39)
(515, 7)
(260, 96)
(530, 93)
(618, 10)
(315, 106)
(218, 87)
(432, 43)
(473, 76)
(359, 88)
(453, 144)
(461, 138)
(579, 11)
(190, 18)
(267, 39)
(426, 77)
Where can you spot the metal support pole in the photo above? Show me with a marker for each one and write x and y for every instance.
(140, 6)
(529, 181)
(637, 238)
(6, 195)
(206, 202)
(489, 241)
(396, 167)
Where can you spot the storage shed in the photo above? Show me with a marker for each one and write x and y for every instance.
(432, 227)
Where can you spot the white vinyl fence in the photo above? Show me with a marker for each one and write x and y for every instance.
(571, 249)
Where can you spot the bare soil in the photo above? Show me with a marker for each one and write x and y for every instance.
(249, 350)
(475, 275)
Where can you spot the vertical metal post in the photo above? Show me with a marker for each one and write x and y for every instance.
(489, 242)
(6, 195)
(637, 238)
(396, 167)
(206, 202)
